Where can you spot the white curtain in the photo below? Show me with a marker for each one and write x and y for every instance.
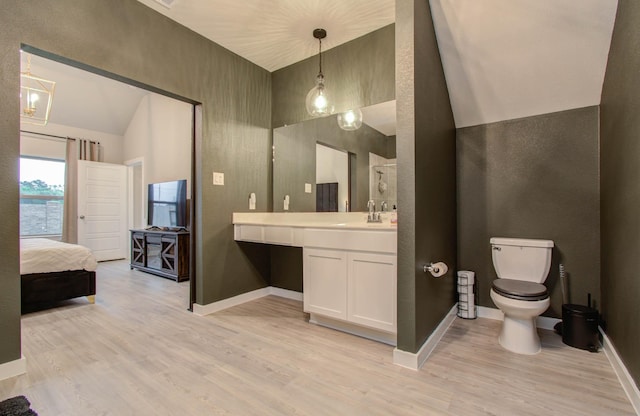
(77, 149)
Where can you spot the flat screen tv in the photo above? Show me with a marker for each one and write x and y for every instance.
(167, 206)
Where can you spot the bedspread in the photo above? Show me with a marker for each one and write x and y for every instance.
(41, 255)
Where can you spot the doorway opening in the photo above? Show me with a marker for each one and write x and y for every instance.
(145, 166)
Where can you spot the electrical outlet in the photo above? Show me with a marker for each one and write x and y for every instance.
(218, 178)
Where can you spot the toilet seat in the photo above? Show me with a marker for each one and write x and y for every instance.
(520, 290)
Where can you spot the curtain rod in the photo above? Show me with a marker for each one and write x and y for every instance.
(54, 136)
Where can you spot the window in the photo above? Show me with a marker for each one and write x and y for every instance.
(41, 196)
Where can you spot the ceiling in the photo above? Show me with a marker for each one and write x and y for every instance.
(503, 59)
(258, 30)
(85, 100)
(506, 59)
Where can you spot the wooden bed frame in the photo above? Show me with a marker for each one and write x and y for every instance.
(40, 290)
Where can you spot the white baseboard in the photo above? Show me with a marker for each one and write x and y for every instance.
(209, 308)
(13, 368)
(285, 293)
(543, 322)
(415, 361)
(628, 384)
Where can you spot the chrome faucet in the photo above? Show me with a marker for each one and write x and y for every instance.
(373, 215)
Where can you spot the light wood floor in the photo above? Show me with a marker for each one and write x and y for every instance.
(138, 351)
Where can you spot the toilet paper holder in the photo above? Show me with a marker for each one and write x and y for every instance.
(436, 269)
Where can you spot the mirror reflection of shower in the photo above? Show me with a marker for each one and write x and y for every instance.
(383, 188)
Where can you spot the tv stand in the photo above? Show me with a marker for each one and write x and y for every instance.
(161, 251)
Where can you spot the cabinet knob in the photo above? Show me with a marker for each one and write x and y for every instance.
(81, 217)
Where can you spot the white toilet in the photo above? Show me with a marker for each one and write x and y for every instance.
(522, 266)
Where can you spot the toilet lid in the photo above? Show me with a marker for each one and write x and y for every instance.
(518, 289)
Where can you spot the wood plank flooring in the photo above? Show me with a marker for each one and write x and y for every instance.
(138, 351)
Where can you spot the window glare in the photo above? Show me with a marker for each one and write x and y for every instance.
(49, 171)
(41, 200)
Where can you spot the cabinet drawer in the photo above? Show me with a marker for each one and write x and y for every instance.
(278, 235)
(154, 239)
(269, 234)
(365, 240)
(249, 233)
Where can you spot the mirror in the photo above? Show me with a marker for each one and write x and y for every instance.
(310, 156)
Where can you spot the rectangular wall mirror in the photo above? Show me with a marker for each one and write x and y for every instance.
(321, 167)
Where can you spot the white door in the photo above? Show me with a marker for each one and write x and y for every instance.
(102, 209)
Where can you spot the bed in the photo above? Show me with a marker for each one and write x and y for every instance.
(52, 271)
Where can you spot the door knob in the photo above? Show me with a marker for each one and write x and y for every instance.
(81, 217)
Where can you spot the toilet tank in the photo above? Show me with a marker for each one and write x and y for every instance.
(521, 259)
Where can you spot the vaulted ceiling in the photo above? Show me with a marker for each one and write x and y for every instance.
(277, 33)
(85, 100)
(506, 59)
(503, 59)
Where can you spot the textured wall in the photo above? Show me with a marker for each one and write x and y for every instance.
(286, 267)
(295, 160)
(9, 226)
(126, 38)
(357, 74)
(620, 166)
(426, 177)
(535, 177)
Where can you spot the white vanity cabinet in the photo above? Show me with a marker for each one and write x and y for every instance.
(349, 266)
(356, 287)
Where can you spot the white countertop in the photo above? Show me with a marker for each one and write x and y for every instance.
(331, 220)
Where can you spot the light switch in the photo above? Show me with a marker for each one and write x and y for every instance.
(307, 188)
(218, 178)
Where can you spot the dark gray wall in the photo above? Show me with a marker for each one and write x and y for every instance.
(357, 74)
(535, 177)
(126, 38)
(295, 160)
(286, 268)
(620, 187)
(426, 177)
(9, 226)
(391, 147)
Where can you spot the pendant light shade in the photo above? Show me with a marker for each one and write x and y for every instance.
(36, 97)
(350, 120)
(318, 103)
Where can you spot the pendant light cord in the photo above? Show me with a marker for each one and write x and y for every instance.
(320, 54)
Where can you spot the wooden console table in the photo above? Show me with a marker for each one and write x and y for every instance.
(161, 252)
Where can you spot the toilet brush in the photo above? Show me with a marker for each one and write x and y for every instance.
(563, 280)
(563, 283)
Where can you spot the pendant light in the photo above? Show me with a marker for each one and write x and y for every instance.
(317, 101)
(36, 97)
(350, 120)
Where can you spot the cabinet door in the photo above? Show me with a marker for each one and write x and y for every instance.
(138, 249)
(372, 290)
(168, 253)
(325, 282)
